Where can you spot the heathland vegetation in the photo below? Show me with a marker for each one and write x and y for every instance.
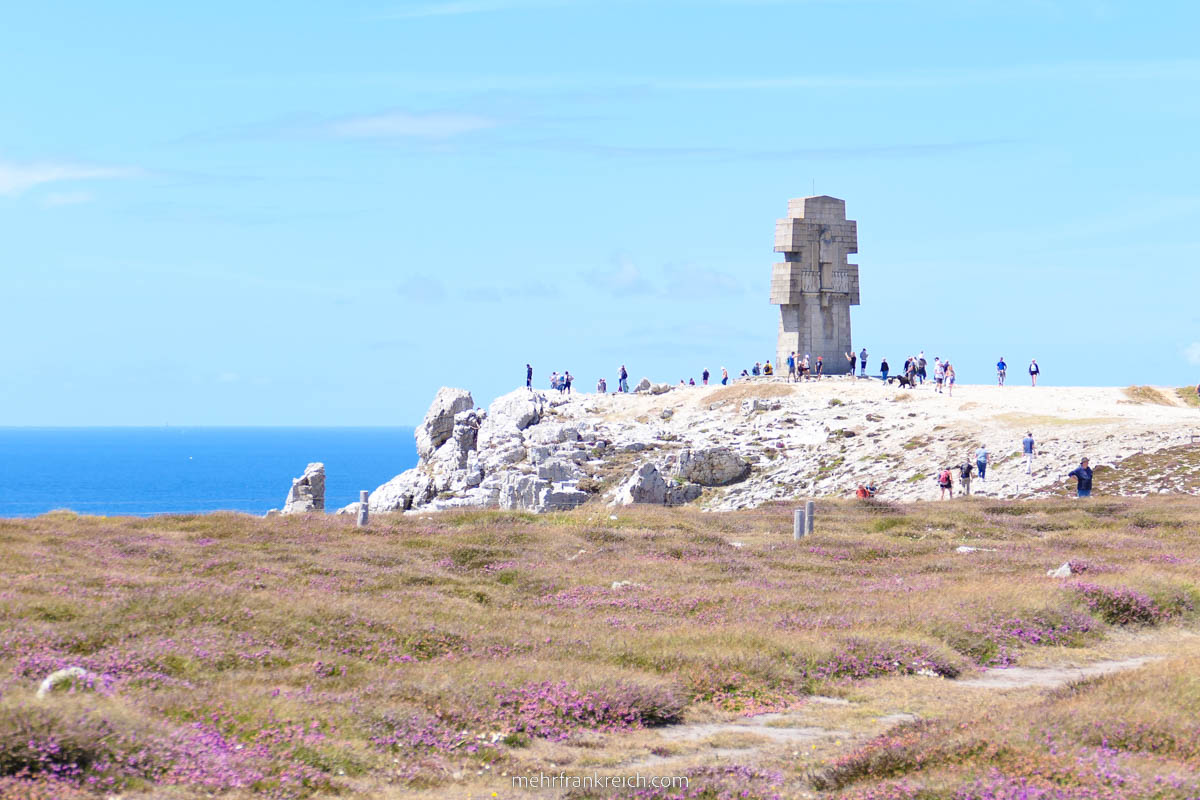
(441, 655)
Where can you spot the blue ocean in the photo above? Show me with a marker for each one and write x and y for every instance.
(143, 471)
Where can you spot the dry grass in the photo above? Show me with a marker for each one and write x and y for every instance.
(1188, 395)
(1018, 420)
(747, 390)
(354, 663)
(1147, 394)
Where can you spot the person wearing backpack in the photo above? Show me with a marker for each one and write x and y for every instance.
(946, 483)
(964, 477)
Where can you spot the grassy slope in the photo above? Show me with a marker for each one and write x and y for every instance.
(438, 655)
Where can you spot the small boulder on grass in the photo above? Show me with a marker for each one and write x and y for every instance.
(65, 678)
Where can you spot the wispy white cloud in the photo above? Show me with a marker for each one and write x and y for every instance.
(1192, 354)
(55, 199)
(454, 8)
(1184, 69)
(421, 289)
(403, 124)
(17, 179)
(622, 278)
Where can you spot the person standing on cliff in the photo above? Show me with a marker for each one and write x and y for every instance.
(1034, 371)
(820, 367)
(1027, 450)
(949, 369)
(1001, 370)
(921, 364)
(853, 359)
(862, 363)
(724, 377)
(601, 386)
(883, 369)
(791, 361)
(939, 374)
(704, 376)
(623, 380)
(1083, 479)
(529, 377)
(567, 382)
(981, 462)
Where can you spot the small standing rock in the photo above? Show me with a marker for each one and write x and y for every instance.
(307, 492)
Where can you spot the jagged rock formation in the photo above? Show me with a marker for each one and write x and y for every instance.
(307, 492)
(756, 441)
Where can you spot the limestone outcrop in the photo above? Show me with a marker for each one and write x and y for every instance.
(712, 466)
(438, 424)
(307, 492)
(758, 441)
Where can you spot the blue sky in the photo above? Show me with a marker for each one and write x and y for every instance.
(233, 213)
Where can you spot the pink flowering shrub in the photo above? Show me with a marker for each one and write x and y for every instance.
(1118, 605)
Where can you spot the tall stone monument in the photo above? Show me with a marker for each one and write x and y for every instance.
(815, 286)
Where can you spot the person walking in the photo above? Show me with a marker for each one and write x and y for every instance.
(939, 374)
(1083, 479)
(853, 359)
(1034, 371)
(921, 363)
(724, 377)
(883, 369)
(704, 376)
(949, 370)
(791, 361)
(946, 483)
(981, 462)
(623, 381)
(964, 477)
(529, 377)
(862, 363)
(1001, 370)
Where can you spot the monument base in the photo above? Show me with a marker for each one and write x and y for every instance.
(816, 330)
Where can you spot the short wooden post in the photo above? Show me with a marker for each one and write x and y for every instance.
(810, 511)
(798, 524)
(362, 508)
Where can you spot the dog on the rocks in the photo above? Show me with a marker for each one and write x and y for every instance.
(904, 381)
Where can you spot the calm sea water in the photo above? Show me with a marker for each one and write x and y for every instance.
(141, 471)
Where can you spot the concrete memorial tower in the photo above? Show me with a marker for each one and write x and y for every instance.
(815, 286)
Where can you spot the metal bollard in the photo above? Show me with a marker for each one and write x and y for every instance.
(362, 508)
(798, 524)
(810, 511)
